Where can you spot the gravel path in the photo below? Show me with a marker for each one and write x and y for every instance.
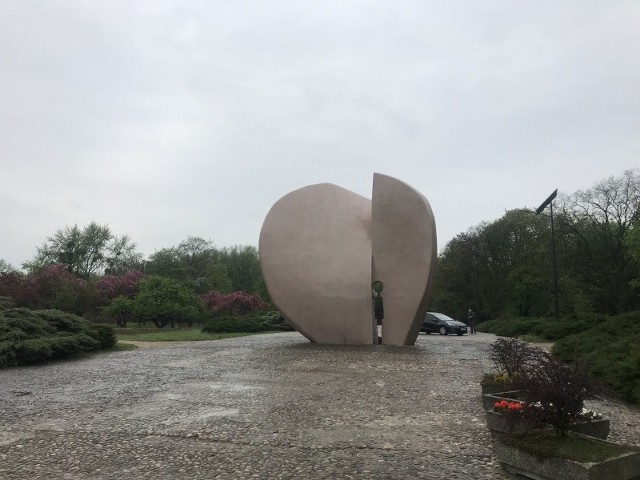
(267, 406)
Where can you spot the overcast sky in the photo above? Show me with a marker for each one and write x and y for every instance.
(165, 119)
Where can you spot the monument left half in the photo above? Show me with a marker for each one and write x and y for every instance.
(315, 253)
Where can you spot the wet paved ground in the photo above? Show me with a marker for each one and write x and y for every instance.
(268, 406)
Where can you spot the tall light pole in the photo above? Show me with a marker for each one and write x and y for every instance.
(549, 201)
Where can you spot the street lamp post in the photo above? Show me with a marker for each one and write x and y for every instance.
(549, 201)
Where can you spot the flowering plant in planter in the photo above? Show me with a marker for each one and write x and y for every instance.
(499, 378)
(555, 391)
(509, 415)
(507, 406)
(583, 416)
(588, 416)
(551, 392)
(509, 356)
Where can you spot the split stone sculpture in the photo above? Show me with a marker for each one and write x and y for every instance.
(322, 247)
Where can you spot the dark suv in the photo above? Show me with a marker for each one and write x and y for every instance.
(440, 323)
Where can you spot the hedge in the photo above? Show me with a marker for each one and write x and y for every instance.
(36, 336)
(610, 345)
(230, 324)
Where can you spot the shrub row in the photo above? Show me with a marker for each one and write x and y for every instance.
(245, 324)
(551, 329)
(610, 345)
(37, 336)
(612, 348)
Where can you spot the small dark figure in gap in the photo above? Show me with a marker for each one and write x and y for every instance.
(471, 321)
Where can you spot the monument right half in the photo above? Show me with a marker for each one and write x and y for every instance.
(404, 251)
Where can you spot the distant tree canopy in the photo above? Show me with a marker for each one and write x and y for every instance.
(505, 267)
(498, 268)
(197, 262)
(53, 287)
(243, 266)
(92, 250)
(597, 242)
(6, 267)
(91, 272)
(194, 261)
(236, 303)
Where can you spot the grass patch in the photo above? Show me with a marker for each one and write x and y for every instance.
(546, 444)
(140, 330)
(121, 347)
(192, 335)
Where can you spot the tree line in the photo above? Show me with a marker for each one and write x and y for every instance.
(504, 268)
(500, 268)
(90, 272)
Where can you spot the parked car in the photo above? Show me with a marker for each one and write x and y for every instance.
(440, 323)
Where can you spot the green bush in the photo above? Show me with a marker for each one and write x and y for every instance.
(233, 324)
(488, 326)
(36, 336)
(274, 320)
(509, 327)
(6, 302)
(554, 329)
(105, 335)
(612, 347)
(63, 322)
(547, 328)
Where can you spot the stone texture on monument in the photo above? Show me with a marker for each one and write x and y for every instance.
(315, 253)
(404, 247)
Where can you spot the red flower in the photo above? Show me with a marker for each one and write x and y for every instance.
(503, 405)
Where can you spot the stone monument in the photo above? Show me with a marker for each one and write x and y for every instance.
(322, 247)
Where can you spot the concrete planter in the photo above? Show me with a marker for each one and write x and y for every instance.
(498, 422)
(490, 399)
(492, 388)
(595, 428)
(521, 464)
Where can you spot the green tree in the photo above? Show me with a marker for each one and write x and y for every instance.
(243, 267)
(596, 230)
(54, 287)
(504, 267)
(120, 308)
(166, 263)
(167, 301)
(194, 261)
(86, 252)
(6, 267)
(633, 242)
(496, 268)
(122, 256)
(202, 262)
